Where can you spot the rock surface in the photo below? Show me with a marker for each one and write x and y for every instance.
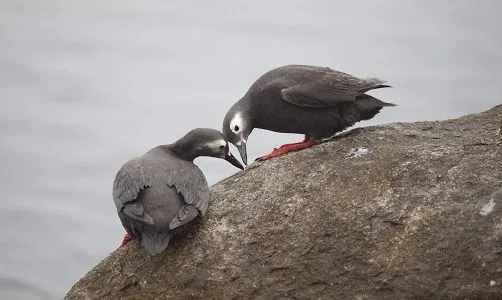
(399, 211)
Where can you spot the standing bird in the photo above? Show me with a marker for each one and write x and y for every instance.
(311, 100)
(158, 193)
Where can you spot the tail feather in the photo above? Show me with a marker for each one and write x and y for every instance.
(367, 100)
(368, 106)
(364, 108)
(379, 86)
(155, 243)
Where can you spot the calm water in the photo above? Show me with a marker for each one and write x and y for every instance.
(85, 85)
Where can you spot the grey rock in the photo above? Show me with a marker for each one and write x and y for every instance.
(399, 211)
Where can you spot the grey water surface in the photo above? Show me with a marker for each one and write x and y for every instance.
(85, 85)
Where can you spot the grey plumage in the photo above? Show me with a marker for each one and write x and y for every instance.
(311, 86)
(315, 101)
(161, 191)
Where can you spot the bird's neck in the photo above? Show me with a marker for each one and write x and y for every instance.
(245, 103)
(182, 149)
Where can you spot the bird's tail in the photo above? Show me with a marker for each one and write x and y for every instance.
(155, 243)
(381, 86)
(368, 106)
(370, 101)
(374, 83)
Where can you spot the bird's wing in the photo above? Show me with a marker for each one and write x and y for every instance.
(130, 182)
(140, 173)
(190, 182)
(324, 87)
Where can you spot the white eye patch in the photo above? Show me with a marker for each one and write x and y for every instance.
(236, 123)
(216, 144)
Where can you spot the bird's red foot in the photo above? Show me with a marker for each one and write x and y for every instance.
(286, 149)
(127, 238)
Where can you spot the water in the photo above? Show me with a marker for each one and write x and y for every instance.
(85, 85)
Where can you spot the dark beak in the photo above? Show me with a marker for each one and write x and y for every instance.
(242, 152)
(231, 159)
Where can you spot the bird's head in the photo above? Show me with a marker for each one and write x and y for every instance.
(236, 129)
(210, 142)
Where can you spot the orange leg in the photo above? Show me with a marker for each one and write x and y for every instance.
(286, 149)
(127, 238)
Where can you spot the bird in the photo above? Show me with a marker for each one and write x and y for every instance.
(311, 100)
(158, 193)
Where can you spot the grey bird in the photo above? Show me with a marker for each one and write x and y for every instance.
(315, 101)
(158, 193)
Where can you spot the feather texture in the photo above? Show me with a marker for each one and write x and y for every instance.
(157, 193)
(311, 86)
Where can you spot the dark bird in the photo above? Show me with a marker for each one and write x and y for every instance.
(316, 101)
(158, 193)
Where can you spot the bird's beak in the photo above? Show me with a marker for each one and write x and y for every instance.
(231, 159)
(242, 151)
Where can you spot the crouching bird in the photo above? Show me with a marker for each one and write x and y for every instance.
(158, 193)
(315, 101)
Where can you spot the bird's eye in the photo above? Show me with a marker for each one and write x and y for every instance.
(222, 146)
(236, 128)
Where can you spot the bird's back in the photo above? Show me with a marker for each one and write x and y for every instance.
(291, 75)
(323, 101)
(160, 199)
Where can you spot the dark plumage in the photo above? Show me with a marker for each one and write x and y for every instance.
(311, 100)
(158, 193)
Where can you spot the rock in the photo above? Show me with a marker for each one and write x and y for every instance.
(399, 211)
